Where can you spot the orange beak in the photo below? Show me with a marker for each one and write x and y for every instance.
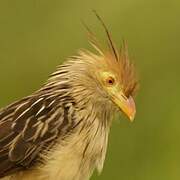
(127, 105)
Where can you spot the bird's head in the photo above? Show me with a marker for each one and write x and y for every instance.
(113, 78)
(106, 77)
(112, 73)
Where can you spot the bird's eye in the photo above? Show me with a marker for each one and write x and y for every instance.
(110, 81)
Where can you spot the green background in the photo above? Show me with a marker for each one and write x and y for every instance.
(37, 35)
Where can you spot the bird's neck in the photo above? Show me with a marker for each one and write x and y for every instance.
(84, 150)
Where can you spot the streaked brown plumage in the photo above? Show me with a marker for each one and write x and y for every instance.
(61, 131)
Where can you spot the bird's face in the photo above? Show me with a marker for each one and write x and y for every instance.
(112, 85)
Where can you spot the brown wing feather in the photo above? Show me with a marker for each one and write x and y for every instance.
(26, 127)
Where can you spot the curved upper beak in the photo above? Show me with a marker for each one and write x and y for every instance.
(127, 105)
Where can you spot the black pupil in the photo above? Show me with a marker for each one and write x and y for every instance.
(111, 81)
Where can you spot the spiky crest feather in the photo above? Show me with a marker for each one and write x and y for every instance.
(118, 60)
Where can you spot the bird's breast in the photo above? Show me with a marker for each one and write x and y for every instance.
(79, 154)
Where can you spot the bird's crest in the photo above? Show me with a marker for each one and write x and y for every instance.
(117, 59)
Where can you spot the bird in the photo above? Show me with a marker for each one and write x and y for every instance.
(61, 130)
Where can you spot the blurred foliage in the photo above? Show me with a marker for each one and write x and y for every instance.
(37, 35)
